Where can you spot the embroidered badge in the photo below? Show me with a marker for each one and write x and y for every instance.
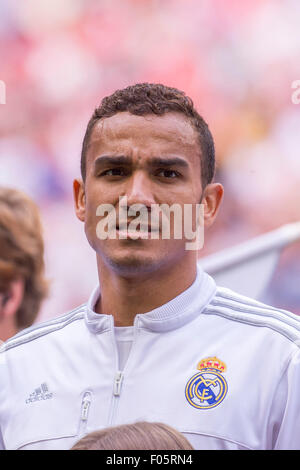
(207, 388)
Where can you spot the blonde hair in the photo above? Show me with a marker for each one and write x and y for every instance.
(22, 252)
(136, 436)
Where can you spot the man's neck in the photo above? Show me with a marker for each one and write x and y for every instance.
(125, 297)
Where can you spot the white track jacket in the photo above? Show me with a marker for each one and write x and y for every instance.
(221, 368)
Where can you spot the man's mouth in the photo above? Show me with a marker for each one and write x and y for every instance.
(139, 228)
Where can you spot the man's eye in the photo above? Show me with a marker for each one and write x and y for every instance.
(168, 174)
(114, 172)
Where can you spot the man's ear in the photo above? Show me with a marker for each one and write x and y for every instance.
(79, 199)
(12, 299)
(211, 200)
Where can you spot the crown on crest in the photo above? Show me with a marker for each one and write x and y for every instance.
(212, 363)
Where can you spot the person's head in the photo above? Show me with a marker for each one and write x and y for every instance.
(22, 283)
(146, 143)
(155, 99)
(137, 436)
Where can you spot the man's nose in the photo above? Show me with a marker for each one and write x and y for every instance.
(139, 190)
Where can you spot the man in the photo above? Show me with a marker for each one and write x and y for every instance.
(158, 341)
(22, 283)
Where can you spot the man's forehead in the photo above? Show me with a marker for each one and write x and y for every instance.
(170, 127)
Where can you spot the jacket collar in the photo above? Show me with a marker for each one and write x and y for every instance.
(172, 315)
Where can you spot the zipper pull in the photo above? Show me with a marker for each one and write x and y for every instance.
(117, 383)
(86, 401)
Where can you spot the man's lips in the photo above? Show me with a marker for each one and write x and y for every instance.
(138, 228)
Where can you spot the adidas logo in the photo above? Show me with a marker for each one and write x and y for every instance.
(40, 393)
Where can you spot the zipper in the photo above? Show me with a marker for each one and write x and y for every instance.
(118, 383)
(85, 407)
(119, 376)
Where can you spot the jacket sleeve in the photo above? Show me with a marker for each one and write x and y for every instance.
(2, 447)
(288, 437)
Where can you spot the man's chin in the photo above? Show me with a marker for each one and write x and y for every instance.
(132, 264)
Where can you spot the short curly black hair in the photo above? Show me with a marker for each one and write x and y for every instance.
(149, 98)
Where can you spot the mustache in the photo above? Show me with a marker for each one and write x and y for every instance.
(126, 221)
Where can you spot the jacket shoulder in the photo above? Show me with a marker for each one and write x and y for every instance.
(44, 328)
(239, 308)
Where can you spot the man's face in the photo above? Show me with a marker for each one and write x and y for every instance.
(151, 160)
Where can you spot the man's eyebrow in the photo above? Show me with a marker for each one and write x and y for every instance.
(112, 160)
(153, 162)
(174, 161)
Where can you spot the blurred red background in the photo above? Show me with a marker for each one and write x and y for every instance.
(236, 60)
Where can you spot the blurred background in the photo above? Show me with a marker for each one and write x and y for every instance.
(236, 60)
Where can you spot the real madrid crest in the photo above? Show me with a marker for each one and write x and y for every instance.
(207, 388)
